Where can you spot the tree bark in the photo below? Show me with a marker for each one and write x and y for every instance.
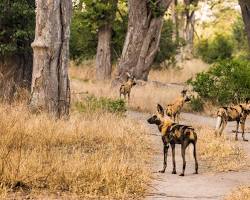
(142, 39)
(50, 90)
(15, 73)
(245, 10)
(103, 56)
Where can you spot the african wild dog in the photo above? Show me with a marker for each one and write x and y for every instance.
(236, 113)
(173, 110)
(125, 88)
(173, 133)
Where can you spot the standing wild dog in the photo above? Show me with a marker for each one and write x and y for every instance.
(125, 88)
(173, 110)
(236, 113)
(173, 133)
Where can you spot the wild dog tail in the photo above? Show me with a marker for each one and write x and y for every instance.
(218, 123)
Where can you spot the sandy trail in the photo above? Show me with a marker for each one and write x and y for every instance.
(202, 186)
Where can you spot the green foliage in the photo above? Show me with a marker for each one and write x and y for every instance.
(99, 12)
(17, 25)
(84, 27)
(226, 81)
(239, 34)
(219, 48)
(92, 104)
(155, 8)
(196, 104)
(83, 40)
(167, 46)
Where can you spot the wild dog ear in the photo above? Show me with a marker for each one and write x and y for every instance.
(160, 109)
(184, 92)
(128, 74)
(247, 99)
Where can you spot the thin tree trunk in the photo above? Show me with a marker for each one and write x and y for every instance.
(245, 10)
(15, 74)
(50, 83)
(103, 56)
(142, 39)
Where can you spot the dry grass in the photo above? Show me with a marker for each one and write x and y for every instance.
(85, 155)
(220, 153)
(241, 193)
(143, 98)
(185, 71)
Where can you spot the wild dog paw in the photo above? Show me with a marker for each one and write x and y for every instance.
(162, 171)
(181, 174)
(173, 172)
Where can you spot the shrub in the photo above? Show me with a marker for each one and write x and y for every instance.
(226, 81)
(167, 46)
(91, 103)
(219, 48)
(196, 104)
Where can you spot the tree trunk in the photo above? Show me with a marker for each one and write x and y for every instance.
(189, 33)
(50, 83)
(15, 74)
(142, 39)
(245, 10)
(103, 56)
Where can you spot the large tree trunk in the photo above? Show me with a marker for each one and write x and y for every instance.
(142, 39)
(189, 33)
(15, 74)
(103, 56)
(245, 9)
(50, 83)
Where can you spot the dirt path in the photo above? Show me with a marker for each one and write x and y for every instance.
(202, 186)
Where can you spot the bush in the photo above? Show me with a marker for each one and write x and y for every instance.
(239, 35)
(226, 81)
(196, 104)
(167, 46)
(219, 48)
(92, 104)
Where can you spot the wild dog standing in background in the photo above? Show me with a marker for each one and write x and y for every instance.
(173, 133)
(125, 88)
(173, 110)
(236, 113)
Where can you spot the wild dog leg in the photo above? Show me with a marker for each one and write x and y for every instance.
(165, 153)
(128, 96)
(183, 151)
(173, 158)
(242, 124)
(237, 129)
(195, 158)
(223, 125)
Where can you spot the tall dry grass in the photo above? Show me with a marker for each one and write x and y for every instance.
(241, 193)
(220, 154)
(101, 155)
(143, 97)
(180, 74)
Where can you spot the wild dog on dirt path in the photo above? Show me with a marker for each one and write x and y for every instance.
(236, 113)
(173, 110)
(126, 87)
(173, 133)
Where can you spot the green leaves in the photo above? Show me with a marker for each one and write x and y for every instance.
(219, 48)
(226, 81)
(17, 26)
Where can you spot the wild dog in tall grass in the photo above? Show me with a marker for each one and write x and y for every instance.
(173, 110)
(173, 133)
(236, 113)
(126, 87)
